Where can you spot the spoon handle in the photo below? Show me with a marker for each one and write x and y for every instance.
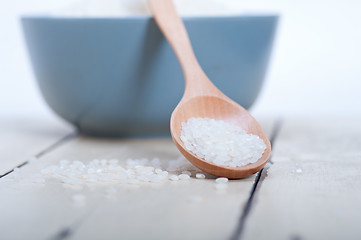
(173, 29)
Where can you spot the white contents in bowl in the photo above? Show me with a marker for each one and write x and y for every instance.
(128, 8)
(220, 142)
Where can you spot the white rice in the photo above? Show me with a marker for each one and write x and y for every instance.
(220, 142)
(200, 176)
(221, 180)
(130, 171)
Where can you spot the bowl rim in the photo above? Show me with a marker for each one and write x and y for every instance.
(272, 15)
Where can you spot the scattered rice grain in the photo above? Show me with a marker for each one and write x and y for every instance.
(183, 177)
(221, 180)
(173, 177)
(200, 176)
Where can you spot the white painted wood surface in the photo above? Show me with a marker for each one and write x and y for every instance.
(311, 191)
(313, 188)
(153, 211)
(21, 139)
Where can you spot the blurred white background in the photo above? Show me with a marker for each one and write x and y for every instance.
(315, 68)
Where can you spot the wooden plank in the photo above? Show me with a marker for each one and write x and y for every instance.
(24, 138)
(156, 211)
(313, 189)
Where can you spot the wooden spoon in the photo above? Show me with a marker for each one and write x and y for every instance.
(201, 98)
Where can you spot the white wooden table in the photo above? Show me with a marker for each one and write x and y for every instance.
(311, 189)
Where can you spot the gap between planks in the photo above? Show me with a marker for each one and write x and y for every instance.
(261, 175)
(46, 150)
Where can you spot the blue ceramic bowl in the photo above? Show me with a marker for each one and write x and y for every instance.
(119, 76)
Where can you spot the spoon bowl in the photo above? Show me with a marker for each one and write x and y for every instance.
(201, 98)
(219, 109)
